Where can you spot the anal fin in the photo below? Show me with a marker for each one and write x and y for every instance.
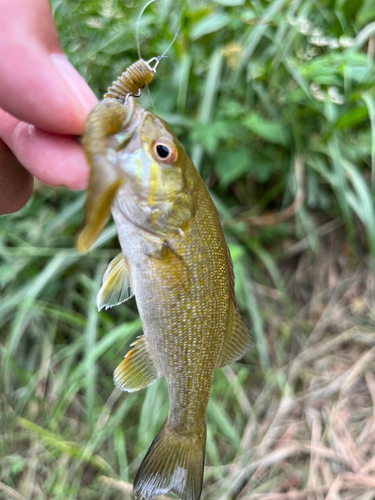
(238, 340)
(138, 369)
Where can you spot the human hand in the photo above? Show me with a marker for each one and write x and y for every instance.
(44, 102)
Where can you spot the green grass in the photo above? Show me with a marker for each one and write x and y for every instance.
(267, 82)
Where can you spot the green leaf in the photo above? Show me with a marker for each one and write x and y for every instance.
(231, 164)
(366, 13)
(209, 135)
(270, 131)
(328, 69)
(357, 73)
(209, 24)
(353, 117)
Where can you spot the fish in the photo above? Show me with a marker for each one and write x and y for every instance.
(175, 261)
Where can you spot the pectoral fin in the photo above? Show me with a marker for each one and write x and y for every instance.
(138, 369)
(116, 287)
(238, 340)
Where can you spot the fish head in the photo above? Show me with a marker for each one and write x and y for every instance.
(156, 193)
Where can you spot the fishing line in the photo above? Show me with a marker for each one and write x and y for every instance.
(139, 47)
(174, 38)
(138, 23)
(157, 58)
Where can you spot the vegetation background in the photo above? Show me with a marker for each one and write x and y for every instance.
(274, 101)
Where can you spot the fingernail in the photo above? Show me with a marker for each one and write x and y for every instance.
(84, 95)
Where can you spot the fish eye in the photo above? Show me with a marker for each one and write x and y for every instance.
(164, 152)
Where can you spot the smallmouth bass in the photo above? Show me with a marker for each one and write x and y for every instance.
(175, 261)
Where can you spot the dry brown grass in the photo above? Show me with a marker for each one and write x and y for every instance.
(316, 441)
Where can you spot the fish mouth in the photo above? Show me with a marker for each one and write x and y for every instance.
(131, 125)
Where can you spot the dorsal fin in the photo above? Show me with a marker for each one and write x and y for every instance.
(137, 370)
(116, 287)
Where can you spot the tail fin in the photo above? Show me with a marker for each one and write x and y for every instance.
(174, 462)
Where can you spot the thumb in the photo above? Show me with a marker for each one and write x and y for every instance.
(38, 85)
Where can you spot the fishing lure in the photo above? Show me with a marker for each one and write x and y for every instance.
(132, 81)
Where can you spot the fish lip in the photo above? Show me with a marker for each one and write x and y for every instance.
(122, 142)
(135, 115)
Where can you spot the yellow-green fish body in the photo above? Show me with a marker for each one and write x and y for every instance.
(177, 263)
